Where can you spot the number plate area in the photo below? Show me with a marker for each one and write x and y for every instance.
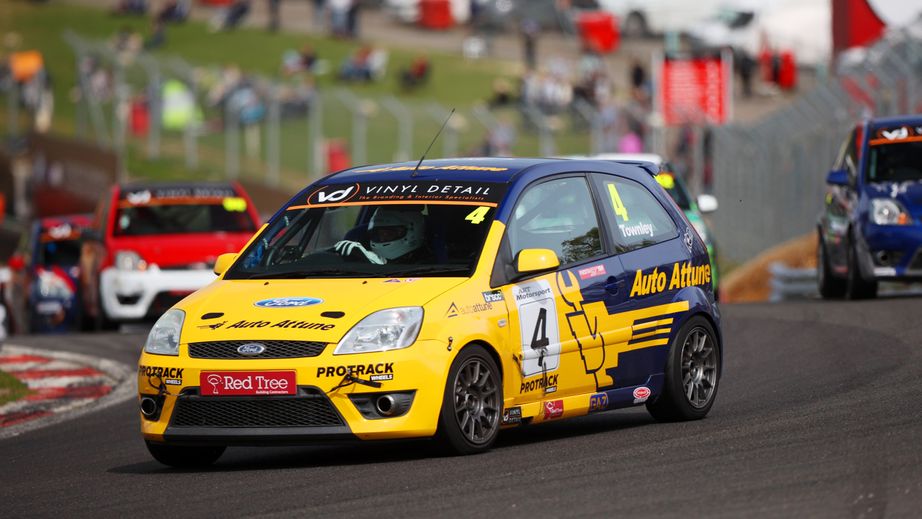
(538, 327)
(235, 383)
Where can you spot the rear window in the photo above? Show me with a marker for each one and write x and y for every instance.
(181, 210)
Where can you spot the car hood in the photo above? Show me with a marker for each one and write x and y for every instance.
(314, 310)
(181, 249)
(909, 194)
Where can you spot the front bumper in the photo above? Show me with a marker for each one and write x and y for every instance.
(132, 295)
(318, 412)
(893, 251)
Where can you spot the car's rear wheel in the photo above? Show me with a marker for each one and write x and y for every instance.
(692, 374)
(181, 456)
(856, 287)
(472, 403)
(830, 287)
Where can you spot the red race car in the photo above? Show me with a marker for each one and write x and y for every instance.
(152, 244)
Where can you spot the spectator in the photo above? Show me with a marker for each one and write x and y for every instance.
(235, 14)
(502, 94)
(319, 13)
(358, 66)
(631, 141)
(352, 19)
(339, 14)
(130, 7)
(174, 11)
(274, 15)
(530, 30)
(639, 87)
(746, 65)
(416, 74)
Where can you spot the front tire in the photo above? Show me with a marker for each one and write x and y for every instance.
(692, 374)
(856, 286)
(830, 287)
(472, 403)
(184, 457)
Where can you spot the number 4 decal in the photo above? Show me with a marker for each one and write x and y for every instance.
(616, 202)
(478, 215)
(537, 309)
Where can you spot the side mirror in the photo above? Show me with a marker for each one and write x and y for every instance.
(224, 262)
(837, 177)
(536, 260)
(707, 203)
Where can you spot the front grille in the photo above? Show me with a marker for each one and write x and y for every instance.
(274, 349)
(311, 408)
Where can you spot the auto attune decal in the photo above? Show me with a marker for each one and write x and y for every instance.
(288, 302)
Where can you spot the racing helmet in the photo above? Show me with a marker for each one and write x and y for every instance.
(394, 233)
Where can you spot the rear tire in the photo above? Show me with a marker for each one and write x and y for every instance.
(856, 286)
(184, 456)
(692, 374)
(472, 404)
(830, 287)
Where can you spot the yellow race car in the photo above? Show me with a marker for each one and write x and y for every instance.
(449, 299)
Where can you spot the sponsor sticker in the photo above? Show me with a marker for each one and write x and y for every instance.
(592, 272)
(683, 275)
(598, 402)
(454, 310)
(486, 194)
(214, 326)
(641, 394)
(537, 327)
(492, 296)
(553, 409)
(512, 415)
(169, 376)
(381, 369)
(288, 302)
(286, 323)
(230, 383)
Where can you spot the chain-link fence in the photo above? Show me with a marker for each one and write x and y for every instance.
(230, 124)
(770, 176)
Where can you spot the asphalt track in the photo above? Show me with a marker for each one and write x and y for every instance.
(818, 415)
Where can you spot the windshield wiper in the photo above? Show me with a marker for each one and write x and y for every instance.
(430, 269)
(303, 273)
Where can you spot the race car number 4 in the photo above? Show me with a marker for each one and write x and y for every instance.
(231, 383)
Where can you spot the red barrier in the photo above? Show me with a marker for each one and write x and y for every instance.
(787, 71)
(435, 14)
(337, 157)
(599, 31)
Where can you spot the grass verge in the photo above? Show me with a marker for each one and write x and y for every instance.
(11, 388)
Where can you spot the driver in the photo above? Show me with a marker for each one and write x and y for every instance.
(394, 236)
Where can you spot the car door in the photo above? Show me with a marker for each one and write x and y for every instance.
(839, 203)
(556, 341)
(655, 258)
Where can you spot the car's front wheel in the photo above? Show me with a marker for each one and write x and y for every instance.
(472, 403)
(856, 286)
(830, 287)
(692, 374)
(187, 457)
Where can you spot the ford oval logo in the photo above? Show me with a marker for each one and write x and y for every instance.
(251, 348)
(288, 302)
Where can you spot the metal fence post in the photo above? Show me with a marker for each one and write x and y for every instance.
(231, 143)
(273, 135)
(155, 105)
(405, 121)
(315, 121)
(592, 117)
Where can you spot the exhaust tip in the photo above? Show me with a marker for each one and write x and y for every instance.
(148, 406)
(386, 405)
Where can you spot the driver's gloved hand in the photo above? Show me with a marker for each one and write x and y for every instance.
(346, 247)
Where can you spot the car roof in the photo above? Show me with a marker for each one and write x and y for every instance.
(625, 157)
(476, 169)
(80, 220)
(894, 120)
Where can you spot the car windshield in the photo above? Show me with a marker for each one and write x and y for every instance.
(676, 189)
(59, 252)
(186, 218)
(370, 239)
(895, 162)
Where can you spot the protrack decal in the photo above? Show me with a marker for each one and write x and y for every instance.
(379, 369)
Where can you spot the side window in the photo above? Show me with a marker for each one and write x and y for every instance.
(638, 218)
(851, 154)
(557, 215)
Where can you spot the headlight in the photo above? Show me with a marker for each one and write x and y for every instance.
(886, 211)
(129, 260)
(390, 329)
(163, 338)
(51, 285)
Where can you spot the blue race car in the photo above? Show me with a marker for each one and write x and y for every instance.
(870, 229)
(53, 271)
